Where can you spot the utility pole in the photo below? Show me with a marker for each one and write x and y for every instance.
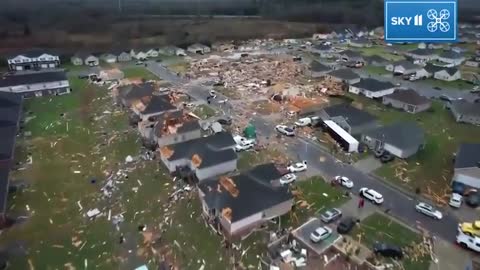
(119, 6)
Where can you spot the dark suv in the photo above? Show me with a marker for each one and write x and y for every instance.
(387, 250)
(346, 225)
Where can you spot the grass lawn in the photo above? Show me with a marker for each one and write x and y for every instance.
(376, 70)
(380, 51)
(379, 227)
(250, 159)
(431, 169)
(58, 235)
(138, 72)
(204, 112)
(313, 195)
(455, 85)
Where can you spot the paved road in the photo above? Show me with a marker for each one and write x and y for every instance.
(399, 204)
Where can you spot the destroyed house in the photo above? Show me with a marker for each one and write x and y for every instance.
(131, 92)
(201, 158)
(317, 69)
(344, 75)
(10, 114)
(238, 204)
(149, 106)
(170, 128)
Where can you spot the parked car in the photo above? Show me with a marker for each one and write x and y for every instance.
(455, 200)
(188, 105)
(331, 215)
(285, 130)
(343, 181)
(288, 178)
(139, 63)
(212, 94)
(244, 146)
(371, 195)
(471, 228)
(428, 210)
(346, 225)
(303, 122)
(222, 101)
(320, 233)
(298, 167)
(388, 250)
(473, 199)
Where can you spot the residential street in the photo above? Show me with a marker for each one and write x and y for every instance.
(397, 202)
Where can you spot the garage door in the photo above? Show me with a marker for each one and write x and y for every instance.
(44, 66)
(51, 65)
(18, 68)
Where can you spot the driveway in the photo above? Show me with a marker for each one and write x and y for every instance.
(303, 232)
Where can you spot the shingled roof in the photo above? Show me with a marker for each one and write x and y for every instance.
(246, 194)
(409, 96)
(403, 135)
(468, 156)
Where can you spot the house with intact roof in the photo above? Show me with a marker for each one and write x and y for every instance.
(201, 158)
(237, 204)
(317, 69)
(372, 88)
(451, 57)
(401, 139)
(467, 165)
(198, 48)
(33, 60)
(10, 114)
(422, 55)
(408, 100)
(403, 67)
(351, 56)
(465, 112)
(84, 58)
(352, 120)
(36, 84)
(344, 75)
(448, 74)
(377, 61)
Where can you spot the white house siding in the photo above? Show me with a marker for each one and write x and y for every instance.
(444, 76)
(354, 90)
(76, 61)
(36, 87)
(422, 73)
(377, 94)
(172, 165)
(470, 119)
(455, 62)
(401, 153)
(405, 106)
(218, 169)
(468, 176)
(178, 138)
(91, 61)
(124, 57)
(110, 60)
(390, 67)
(246, 223)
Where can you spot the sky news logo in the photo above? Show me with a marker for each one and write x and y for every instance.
(416, 21)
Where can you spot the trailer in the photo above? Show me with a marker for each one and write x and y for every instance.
(347, 141)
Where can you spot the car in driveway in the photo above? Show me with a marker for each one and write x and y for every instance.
(428, 210)
(346, 225)
(343, 181)
(243, 146)
(331, 215)
(298, 167)
(288, 179)
(285, 130)
(388, 250)
(371, 195)
(320, 233)
(455, 200)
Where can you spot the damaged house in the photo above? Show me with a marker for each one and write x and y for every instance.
(170, 128)
(240, 203)
(352, 120)
(201, 158)
(150, 106)
(128, 93)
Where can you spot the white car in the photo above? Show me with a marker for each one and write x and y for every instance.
(244, 146)
(455, 200)
(320, 233)
(288, 178)
(287, 131)
(344, 181)
(303, 122)
(428, 210)
(242, 140)
(371, 195)
(298, 167)
(222, 101)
